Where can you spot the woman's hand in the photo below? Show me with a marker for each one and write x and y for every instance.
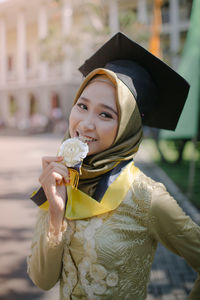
(53, 179)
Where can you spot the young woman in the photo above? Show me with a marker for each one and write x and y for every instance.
(100, 240)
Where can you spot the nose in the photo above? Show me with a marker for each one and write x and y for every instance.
(87, 124)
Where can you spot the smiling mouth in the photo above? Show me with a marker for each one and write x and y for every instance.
(85, 139)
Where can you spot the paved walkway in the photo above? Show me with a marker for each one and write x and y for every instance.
(171, 278)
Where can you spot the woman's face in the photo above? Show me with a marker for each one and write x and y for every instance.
(94, 117)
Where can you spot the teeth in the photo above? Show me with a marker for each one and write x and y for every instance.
(86, 139)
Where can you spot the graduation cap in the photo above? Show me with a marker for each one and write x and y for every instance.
(160, 92)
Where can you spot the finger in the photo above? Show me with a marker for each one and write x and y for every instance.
(54, 166)
(63, 172)
(57, 169)
(51, 179)
(57, 166)
(46, 160)
(58, 178)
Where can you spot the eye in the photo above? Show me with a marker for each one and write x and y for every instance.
(82, 106)
(106, 115)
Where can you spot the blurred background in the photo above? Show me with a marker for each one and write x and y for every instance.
(42, 44)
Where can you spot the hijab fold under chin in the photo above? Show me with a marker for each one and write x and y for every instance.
(128, 138)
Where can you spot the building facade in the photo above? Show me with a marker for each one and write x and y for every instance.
(39, 55)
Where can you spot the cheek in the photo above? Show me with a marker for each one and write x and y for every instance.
(72, 120)
(109, 132)
(113, 132)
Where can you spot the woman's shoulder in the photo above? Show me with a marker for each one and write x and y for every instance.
(155, 193)
(145, 187)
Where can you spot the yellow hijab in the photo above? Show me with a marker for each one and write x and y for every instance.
(128, 137)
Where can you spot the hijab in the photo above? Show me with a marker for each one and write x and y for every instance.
(128, 138)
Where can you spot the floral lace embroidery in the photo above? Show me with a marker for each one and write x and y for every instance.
(69, 271)
(69, 233)
(143, 187)
(69, 275)
(54, 240)
(112, 279)
(124, 270)
(190, 227)
(94, 278)
(43, 227)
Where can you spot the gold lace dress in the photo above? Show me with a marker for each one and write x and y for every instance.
(110, 256)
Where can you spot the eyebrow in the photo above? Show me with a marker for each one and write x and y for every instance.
(103, 105)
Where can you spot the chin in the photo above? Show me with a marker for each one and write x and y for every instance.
(92, 151)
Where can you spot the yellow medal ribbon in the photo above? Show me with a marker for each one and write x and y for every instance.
(82, 206)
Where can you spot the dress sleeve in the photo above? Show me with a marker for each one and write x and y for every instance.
(170, 226)
(45, 261)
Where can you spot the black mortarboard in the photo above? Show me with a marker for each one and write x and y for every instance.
(160, 92)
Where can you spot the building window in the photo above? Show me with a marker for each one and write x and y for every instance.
(185, 9)
(10, 63)
(165, 12)
(12, 106)
(56, 112)
(55, 101)
(33, 105)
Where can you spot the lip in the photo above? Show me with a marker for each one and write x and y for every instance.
(85, 138)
